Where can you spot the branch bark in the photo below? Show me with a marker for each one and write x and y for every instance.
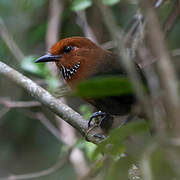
(55, 105)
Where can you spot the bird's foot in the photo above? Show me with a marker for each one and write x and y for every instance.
(97, 115)
(99, 136)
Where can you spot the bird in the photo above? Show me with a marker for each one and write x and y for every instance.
(80, 59)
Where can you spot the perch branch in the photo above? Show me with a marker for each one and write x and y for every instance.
(55, 105)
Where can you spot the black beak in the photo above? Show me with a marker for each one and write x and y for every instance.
(48, 58)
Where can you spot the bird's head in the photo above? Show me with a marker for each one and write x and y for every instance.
(76, 57)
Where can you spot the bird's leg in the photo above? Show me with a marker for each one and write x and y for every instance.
(128, 119)
(97, 114)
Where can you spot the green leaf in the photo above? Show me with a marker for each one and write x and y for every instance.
(78, 5)
(110, 2)
(85, 111)
(105, 86)
(39, 69)
(37, 34)
(90, 148)
(53, 82)
(28, 65)
(114, 143)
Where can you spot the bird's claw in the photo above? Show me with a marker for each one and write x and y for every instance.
(95, 115)
(99, 136)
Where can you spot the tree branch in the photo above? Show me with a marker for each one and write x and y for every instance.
(118, 36)
(62, 110)
(55, 14)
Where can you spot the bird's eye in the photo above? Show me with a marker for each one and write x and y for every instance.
(67, 49)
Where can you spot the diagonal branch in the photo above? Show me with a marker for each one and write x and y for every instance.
(55, 105)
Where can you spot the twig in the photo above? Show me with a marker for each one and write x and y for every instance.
(165, 69)
(53, 28)
(11, 44)
(54, 22)
(82, 22)
(117, 36)
(18, 104)
(66, 132)
(60, 164)
(109, 45)
(158, 3)
(48, 125)
(42, 118)
(170, 21)
(145, 163)
(68, 138)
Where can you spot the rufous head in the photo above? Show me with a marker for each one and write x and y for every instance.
(76, 57)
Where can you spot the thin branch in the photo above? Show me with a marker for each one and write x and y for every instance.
(109, 45)
(11, 44)
(55, 13)
(66, 133)
(118, 37)
(171, 19)
(59, 164)
(48, 125)
(158, 3)
(18, 104)
(165, 68)
(145, 163)
(53, 28)
(55, 105)
(42, 118)
(82, 22)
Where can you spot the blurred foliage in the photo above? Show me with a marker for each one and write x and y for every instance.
(28, 65)
(85, 111)
(110, 2)
(114, 144)
(78, 5)
(25, 144)
(105, 86)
